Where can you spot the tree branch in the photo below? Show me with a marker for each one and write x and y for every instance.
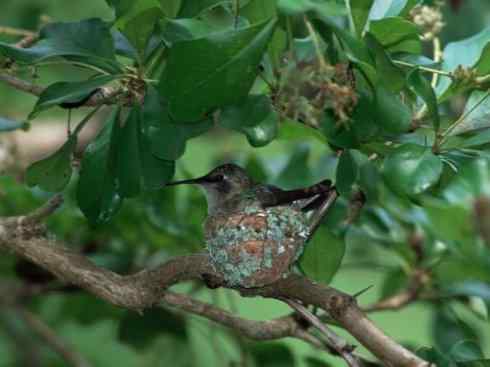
(148, 287)
(340, 346)
(104, 95)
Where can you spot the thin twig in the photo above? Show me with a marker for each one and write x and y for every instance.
(334, 341)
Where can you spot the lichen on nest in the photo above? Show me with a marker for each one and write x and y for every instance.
(257, 246)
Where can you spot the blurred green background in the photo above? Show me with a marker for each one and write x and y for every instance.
(92, 327)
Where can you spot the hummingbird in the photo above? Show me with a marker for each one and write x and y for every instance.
(255, 232)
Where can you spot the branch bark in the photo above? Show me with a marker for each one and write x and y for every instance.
(149, 287)
(104, 95)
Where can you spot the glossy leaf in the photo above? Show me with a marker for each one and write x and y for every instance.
(299, 7)
(97, 194)
(137, 168)
(469, 289)
(473, 52)
(254, 117)
(167, 139)
(347, 173)
(396, 34)
(10, 125)
(471, 182)
(476, 114)
(391, 113)
(411, 169)
(391, 77)
(68, 92)
(53, 172)
(466, 351)
(322, 256)
(228, 61)
(390, 8)
(448, 329)
(128, 168)
(359, 11)
(293, 130)
(192, 8)
(361, 127)
(423, 88)
(90, 41)
(139, 27)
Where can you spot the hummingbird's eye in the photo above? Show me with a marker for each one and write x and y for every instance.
(220, 177)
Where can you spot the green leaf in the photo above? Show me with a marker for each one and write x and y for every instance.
(396, 34)
(391, 113)
(294, 130)
(54, 172)
(255, 117)
(192, 8)
(469, 289)
(299, 7)
(167, 139)
(466, 351)
(356, 50)
(97, 196)
(448, 329)
(391, 77)
(473, 52)
(450, 222)
(361, 127)
(72, 92)
(88, 41)
(128, 168)
(316, 362)
(411, 169)
(140, 331)
(177, 30)
(272, 355)
(434, 356)
(423, 88)
(476, 114)
(347, 173)
(228, 61)
(471, 182)
(394, 282)
(390, 8)
(10, 125)
(359, 12)
(136, 167)
(323, 256)
(139, 28)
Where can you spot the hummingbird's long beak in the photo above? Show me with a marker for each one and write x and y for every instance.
(182, 182)
(199, 180)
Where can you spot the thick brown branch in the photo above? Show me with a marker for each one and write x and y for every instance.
(148, 287)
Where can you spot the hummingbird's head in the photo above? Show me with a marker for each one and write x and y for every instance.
(221, 184)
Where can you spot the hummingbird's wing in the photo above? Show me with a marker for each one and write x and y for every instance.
(269, 195)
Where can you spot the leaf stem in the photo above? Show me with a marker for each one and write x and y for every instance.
(424, 68)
